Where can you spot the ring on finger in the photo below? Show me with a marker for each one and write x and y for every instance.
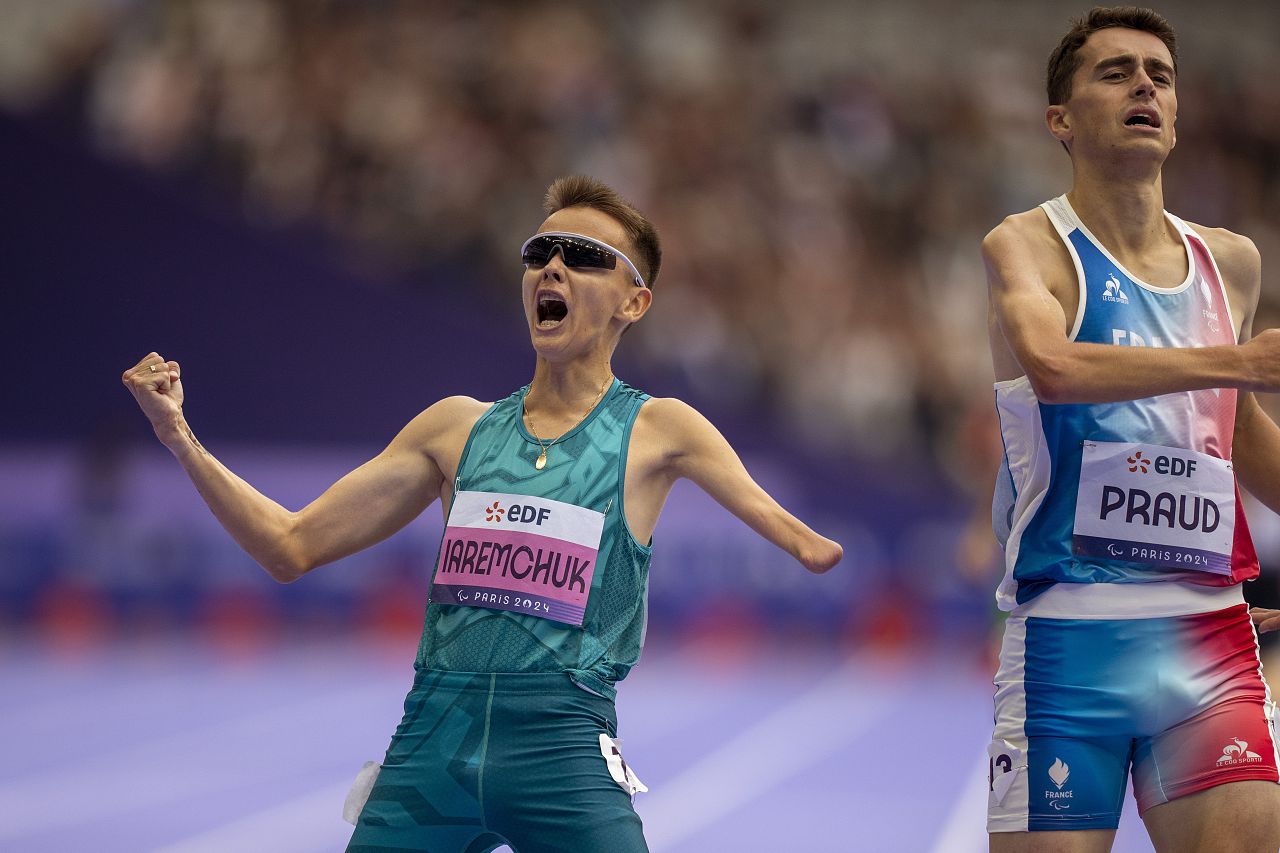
(151, 367)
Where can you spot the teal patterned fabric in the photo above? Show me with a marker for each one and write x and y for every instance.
(586, 467)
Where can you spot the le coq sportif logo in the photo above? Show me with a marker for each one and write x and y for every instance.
(1238, 752)
(1112, 292)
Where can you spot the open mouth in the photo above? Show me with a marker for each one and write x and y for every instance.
(552, 309)
(1142, 120)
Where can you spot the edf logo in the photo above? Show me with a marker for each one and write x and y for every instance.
(521, 514)
(1173, 466)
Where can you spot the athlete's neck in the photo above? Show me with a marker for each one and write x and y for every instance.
(567, 391)
(1125, 211)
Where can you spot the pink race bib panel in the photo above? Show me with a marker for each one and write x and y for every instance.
(518, 553)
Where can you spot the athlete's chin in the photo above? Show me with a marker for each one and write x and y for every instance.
(552, 344)
(1154, 143)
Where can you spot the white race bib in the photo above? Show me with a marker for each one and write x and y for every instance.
(518, 553)
(1164, 507)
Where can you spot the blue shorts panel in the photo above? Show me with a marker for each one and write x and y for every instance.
(1080, 703)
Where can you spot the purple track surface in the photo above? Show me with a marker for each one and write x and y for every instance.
(169, 746)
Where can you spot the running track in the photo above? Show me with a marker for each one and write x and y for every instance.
(169, 747)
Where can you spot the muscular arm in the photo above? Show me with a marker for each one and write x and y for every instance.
(692, 448)
(1255, 455)
(1033, 326)
(363, 508)
(1255, 447)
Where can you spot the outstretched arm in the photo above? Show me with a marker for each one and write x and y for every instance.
(363, 508)
(1033, 325)
(696, 450)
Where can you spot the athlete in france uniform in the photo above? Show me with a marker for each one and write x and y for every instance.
(1140, 494)
(1123, 395)
(537, 605)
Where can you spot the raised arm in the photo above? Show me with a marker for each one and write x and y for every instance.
(363, 508)
(694, 449)
(1033, 325)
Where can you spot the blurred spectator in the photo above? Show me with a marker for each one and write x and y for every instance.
(822, 174)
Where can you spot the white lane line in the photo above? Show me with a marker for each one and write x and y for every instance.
(301, 825)
(965, 829)
(836, 711)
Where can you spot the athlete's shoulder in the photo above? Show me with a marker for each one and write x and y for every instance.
(1222, 238)
(668, 429)
(670, 418)
(1029, 230)
(1025, 249)
(447, 415)
(662, 411)
(440, 431)
(1237, 256)
(457, 407)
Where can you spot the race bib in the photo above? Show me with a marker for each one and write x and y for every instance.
(518, 553)
(1163, 507)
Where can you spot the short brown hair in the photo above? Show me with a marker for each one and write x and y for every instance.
(584, 191)
(1065, 60)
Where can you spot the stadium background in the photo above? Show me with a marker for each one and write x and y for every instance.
(315, 207)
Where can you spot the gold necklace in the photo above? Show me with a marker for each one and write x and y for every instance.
(541, 461)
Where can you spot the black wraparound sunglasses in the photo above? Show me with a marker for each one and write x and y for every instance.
(578, 250)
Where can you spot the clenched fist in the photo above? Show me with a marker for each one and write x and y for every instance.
(157, 386)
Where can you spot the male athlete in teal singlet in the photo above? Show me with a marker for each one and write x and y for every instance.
(1125, 366)
(537, 607)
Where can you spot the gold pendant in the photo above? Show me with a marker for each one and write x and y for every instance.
(542, 461)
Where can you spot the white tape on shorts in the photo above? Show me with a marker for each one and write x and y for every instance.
(359, 793)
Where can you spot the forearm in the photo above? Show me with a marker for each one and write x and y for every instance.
(812, 550)
(258, 524)
(1255, 454)
(1098, 373)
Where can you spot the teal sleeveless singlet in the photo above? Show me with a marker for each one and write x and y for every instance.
(586, 468)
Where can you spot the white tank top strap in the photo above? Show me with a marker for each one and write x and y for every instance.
(1065, 221)
(1061, 215)
(1183, 228)
(1211, 277)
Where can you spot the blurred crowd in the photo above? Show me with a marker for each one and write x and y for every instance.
(821, 173)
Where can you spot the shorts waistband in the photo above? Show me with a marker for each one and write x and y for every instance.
(1129, 600)
(546, 683)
